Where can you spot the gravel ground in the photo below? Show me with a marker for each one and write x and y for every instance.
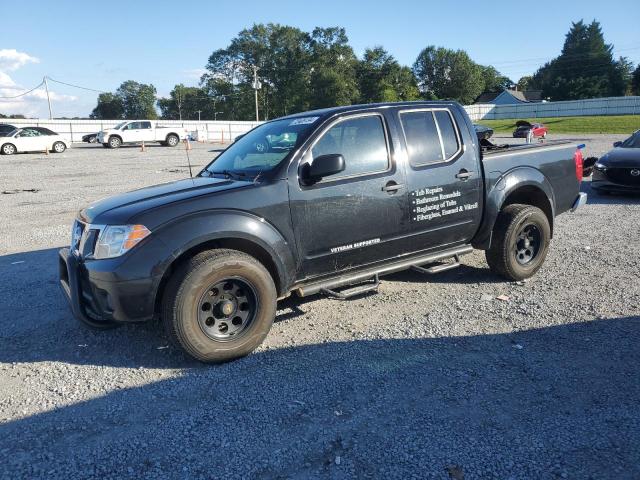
(430, 378)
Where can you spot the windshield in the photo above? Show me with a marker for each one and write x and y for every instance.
(263, 148)
(632, 142)
(119, 126)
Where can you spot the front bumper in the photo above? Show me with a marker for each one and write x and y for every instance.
(97, 301)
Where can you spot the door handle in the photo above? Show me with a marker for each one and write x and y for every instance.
(464, 175)
(392, 187)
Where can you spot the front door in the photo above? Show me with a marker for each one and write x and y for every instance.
(355, 217)
(444, 180)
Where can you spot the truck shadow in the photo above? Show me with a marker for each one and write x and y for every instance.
(542, 403)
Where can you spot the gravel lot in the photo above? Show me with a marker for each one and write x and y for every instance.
(430, 378)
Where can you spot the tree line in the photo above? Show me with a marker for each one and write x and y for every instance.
(299, 71)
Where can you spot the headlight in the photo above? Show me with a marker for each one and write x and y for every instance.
(600, 166)
(116, 240)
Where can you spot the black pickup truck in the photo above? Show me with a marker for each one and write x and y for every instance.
(356, 192)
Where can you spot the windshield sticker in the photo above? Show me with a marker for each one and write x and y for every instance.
(432, 203)
(303, 121)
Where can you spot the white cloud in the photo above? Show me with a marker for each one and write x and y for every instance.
(11, 59)
(33, 104)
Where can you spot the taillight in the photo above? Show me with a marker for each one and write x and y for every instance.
(579, 164)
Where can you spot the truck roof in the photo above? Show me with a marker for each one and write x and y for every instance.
(351, 108)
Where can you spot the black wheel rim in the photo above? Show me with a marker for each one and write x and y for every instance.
(528, 243)
(227, 308)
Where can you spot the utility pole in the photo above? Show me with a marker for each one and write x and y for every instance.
(256, 87)
(198, 114)
(46, 87)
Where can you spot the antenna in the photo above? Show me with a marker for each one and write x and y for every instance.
(187, 147)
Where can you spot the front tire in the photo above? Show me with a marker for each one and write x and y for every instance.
(8, 149)
(219, 305)
(520, 242)
(172, 140)
(115, 142)
(59, 147)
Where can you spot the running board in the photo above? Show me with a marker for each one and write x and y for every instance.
(440, 267)
(370, 286)
(352, 278)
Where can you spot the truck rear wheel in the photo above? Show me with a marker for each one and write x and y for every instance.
(520, 242)
(219, 305)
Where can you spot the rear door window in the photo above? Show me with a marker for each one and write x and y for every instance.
(362, 143)
(430, 135)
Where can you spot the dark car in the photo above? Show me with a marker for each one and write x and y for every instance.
(523, 127)
(6, 129)
(365, 191)
(90, 138)
(619, 169)
(483, 132)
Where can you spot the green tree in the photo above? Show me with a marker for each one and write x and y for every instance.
(444, 73)
(138, 100)
(185, 102)
(494, 81)
(109, 107)
(585, 68)
(333, 69)
(382, 79)
(635, 81)
(525, 83)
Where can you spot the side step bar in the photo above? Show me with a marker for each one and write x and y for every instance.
(370, 286)
(440, 267)
(313, 287)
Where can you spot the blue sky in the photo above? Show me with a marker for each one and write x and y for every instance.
(101, 44)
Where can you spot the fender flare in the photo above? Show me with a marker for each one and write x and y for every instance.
(509, 183)
(190, 232)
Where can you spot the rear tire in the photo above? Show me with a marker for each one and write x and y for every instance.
(172, 140)
(59, 147)
(520, 242)
(219, 305)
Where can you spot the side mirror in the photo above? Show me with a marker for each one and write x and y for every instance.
(323, 166)
(617, 144)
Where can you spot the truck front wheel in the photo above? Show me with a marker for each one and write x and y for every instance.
(172, 140)
(520, 242)
(115, 142)
(219, 305)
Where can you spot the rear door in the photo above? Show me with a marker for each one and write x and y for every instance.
(444, 181)
(147, 133)
(355, 217)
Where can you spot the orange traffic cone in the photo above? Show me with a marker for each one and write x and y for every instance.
(187, 144)
(142, 147)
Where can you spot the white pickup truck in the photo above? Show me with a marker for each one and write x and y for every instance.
(138, 131)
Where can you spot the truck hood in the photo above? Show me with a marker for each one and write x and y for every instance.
(118, 209)
(622, 157)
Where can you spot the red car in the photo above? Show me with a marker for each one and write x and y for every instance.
(523, 127)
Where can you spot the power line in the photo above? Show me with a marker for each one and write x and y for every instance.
(25, 93)
(76, 86)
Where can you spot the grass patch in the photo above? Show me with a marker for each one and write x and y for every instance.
(626, 124)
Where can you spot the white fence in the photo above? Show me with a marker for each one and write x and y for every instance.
(592, 106)
(225, 131)
(219, 131)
